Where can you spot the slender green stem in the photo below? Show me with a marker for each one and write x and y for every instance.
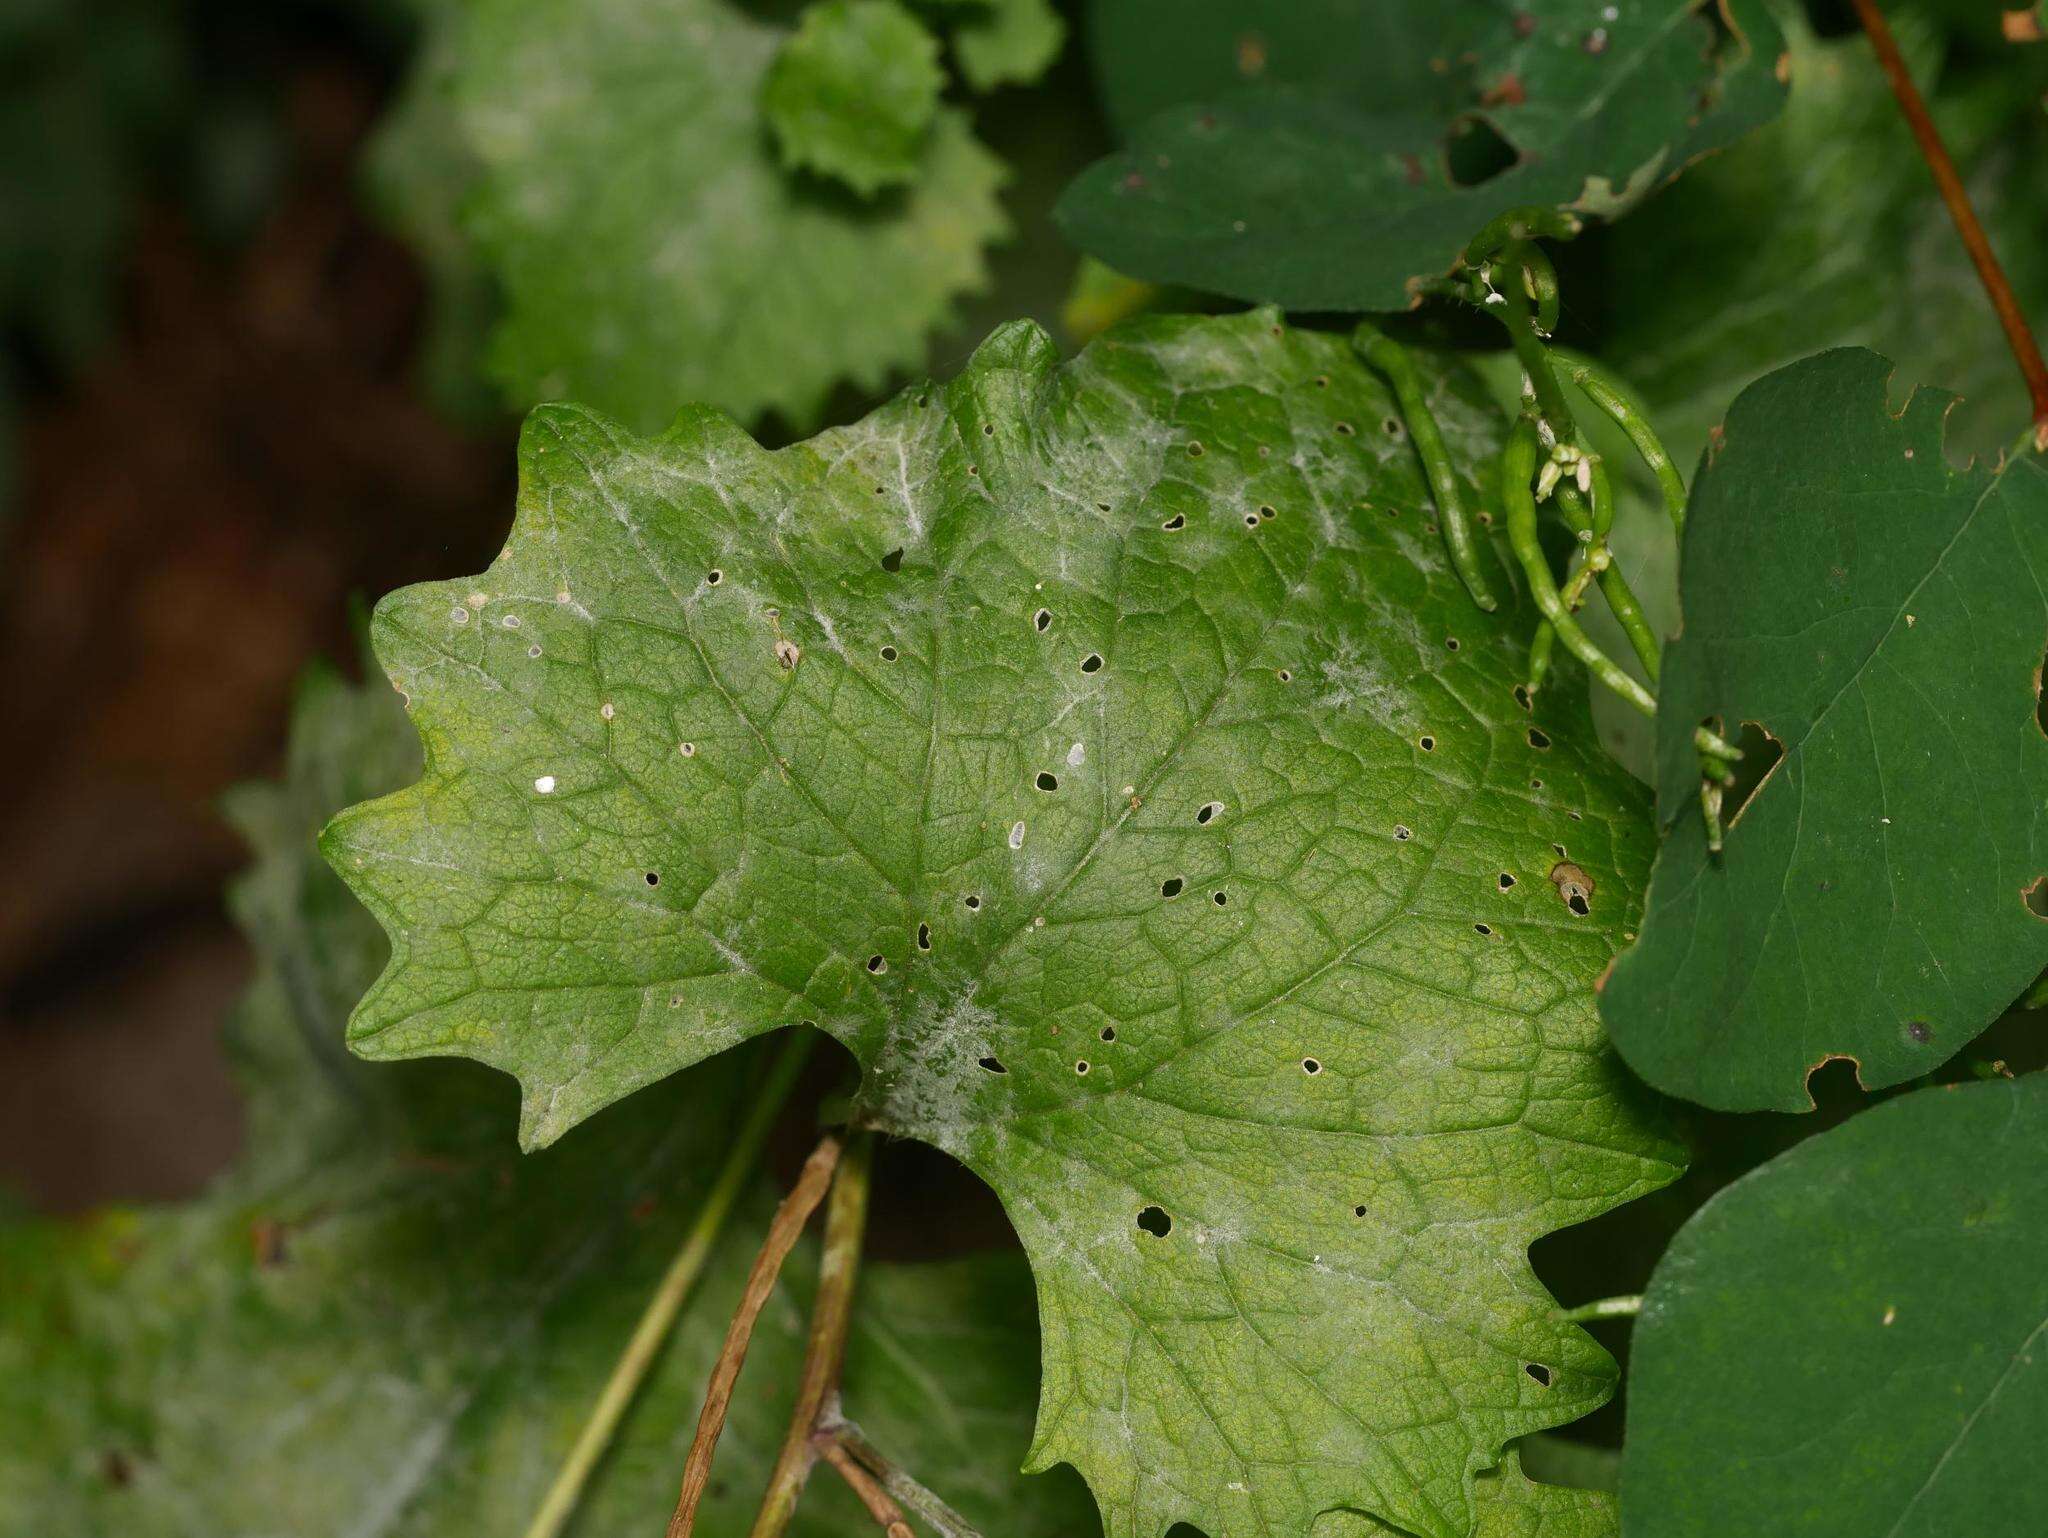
(1392, 360)
(1518, 466)
(846, 1220)
(1521, 224)
(1614, 398)
(659, 1317)
(1538, 278)
(941, 1518)
(1710, 809)
(1714, 745)
(1625, 1307)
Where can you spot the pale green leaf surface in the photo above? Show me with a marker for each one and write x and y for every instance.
(1881, 615)
(629, 205)
(1007, 42)
(853, 92)
(1313, 156)
(1849, 1340)
(386, 1321)
(1140, 692)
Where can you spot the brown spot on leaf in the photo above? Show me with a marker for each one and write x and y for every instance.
(1574, 886)
(1505, 92)
(2035, 896)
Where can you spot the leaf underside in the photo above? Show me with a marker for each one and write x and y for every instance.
(384, 1320)
(1880, 615)
(1326, 159)
(1849, 1340)
(1108, 757)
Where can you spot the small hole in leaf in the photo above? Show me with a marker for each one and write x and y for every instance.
(1195, 450)
(1485, 929)
(973, 902)
(1358, 1211)
(1109, 1033)
(1221, 899)
(714, 577)
(1522, 695)
(993, 1065)
(1345, 429)
(877, 964)
(893, 561)
(924, 937)
(1043, 620)
(988, 429)
(1322, 381)
(888, 654)
(1208, 811)
(1091, 663)
(2035, 896)
(1266, 510)
(1538, 738)
(1154, 1221)
(1451, 643)
(1081, 1067)
(1506, 881)
(1047, 781)
(1286, 677)
(1427, 744)
(1539, 1372)
(1251, 520)
(1535, 784)
(1174, 524)
(1391, 427)
(1402, 833)
(654, 878)
(1311, 1067)
(1171, 886)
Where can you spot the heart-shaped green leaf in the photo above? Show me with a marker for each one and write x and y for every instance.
(1108, 756)
(1853, 1339)
(1880, 616)
(1330, 157)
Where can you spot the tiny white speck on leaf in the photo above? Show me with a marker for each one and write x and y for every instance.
(1016, 835)
(545, 784)
(1075, 755)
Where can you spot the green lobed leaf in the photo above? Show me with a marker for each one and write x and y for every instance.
(1338, 173)
(628, 209)
(1848, 1340)
(1881, 616)
(1823, 229)
(1008, 42)
(853, 92)
(1107, 755)
(386, 1320)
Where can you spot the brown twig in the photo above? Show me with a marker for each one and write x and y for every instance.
(787, 1224)
(2010, 315)
(941, 1518)
(838, 1265)
(885, 1511)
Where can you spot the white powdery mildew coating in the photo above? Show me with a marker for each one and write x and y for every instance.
(1086, 899)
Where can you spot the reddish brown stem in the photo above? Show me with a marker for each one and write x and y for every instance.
(2010, 315)
(788, 1223)
(887, 1514)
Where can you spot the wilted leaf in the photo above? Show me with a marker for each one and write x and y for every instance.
(853, 92)
(386, 1320)
(1879, 615)
(1329, 158)
(1849, 1341)
(1108, 756)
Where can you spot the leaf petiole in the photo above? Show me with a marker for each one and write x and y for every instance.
(660, 1315)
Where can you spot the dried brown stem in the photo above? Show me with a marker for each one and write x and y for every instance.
(787, 1224)
(887, 1514)
(2017, 333)
(846, 1221)
(941, 1518)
